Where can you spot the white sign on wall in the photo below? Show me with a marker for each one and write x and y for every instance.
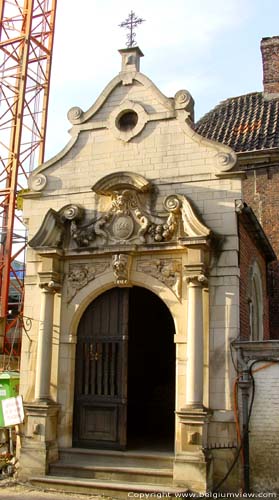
(13, 412)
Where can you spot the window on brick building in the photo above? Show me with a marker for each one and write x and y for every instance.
(255, 301)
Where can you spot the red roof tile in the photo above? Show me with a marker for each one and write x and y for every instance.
(246, 123)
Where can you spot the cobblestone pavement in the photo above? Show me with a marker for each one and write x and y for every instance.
(13, 490)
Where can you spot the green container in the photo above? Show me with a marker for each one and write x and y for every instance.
(9, 388)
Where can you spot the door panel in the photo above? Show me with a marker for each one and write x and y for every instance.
(98, 423)
(100, 407)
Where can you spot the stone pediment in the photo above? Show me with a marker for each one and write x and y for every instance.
(119, 181)
(127, 219)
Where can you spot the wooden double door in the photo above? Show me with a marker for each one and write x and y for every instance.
(125, 371)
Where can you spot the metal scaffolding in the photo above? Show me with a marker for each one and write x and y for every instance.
(26, 41)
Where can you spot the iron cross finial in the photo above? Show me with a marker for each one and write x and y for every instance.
(130, 23)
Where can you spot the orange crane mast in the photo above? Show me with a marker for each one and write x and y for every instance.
(26, 43)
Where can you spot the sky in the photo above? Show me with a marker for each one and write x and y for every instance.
(209, 47)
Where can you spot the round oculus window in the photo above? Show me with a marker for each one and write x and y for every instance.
(127, 121)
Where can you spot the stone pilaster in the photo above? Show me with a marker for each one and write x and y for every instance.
(44, 351)
(192, 464)
(195, 349)
(39, 445)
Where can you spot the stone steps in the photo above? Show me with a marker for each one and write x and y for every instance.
(155, 460)
(111, 473)
(115, 489)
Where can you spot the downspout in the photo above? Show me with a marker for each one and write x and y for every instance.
(244, 384)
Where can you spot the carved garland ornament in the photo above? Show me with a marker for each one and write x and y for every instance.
(125, 221)
(168, 271)
(81, 274)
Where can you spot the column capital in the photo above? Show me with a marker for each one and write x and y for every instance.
(196, 274)
(50, 282)
(197, 279)
(50, 287)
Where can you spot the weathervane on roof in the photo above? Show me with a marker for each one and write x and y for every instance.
(130, 23)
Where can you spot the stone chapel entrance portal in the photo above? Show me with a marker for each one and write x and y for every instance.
(125, 372)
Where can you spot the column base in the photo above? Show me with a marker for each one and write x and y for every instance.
(194, 406)
(193, 465)
(193, 471)
(39, 444)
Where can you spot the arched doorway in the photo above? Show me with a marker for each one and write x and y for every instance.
(125, 372)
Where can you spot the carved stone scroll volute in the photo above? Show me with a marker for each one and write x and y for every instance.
(125, 220)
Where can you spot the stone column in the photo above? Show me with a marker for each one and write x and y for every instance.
(195, 361)
(39, 444)
(44, 352)
(192, 464)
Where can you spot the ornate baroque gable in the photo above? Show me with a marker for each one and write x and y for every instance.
(126, 221)
(129, 107)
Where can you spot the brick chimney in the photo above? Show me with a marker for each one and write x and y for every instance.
(270, 57)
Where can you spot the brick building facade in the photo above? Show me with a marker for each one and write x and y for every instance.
(254, 255)
(249, 124)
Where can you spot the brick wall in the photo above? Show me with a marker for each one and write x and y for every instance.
(248, 254)
(264, 438)
(270, 56)
(261, 193)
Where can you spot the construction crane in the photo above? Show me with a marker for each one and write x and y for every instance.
(26, 42)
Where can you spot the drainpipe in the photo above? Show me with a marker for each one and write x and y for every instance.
(244, 384)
